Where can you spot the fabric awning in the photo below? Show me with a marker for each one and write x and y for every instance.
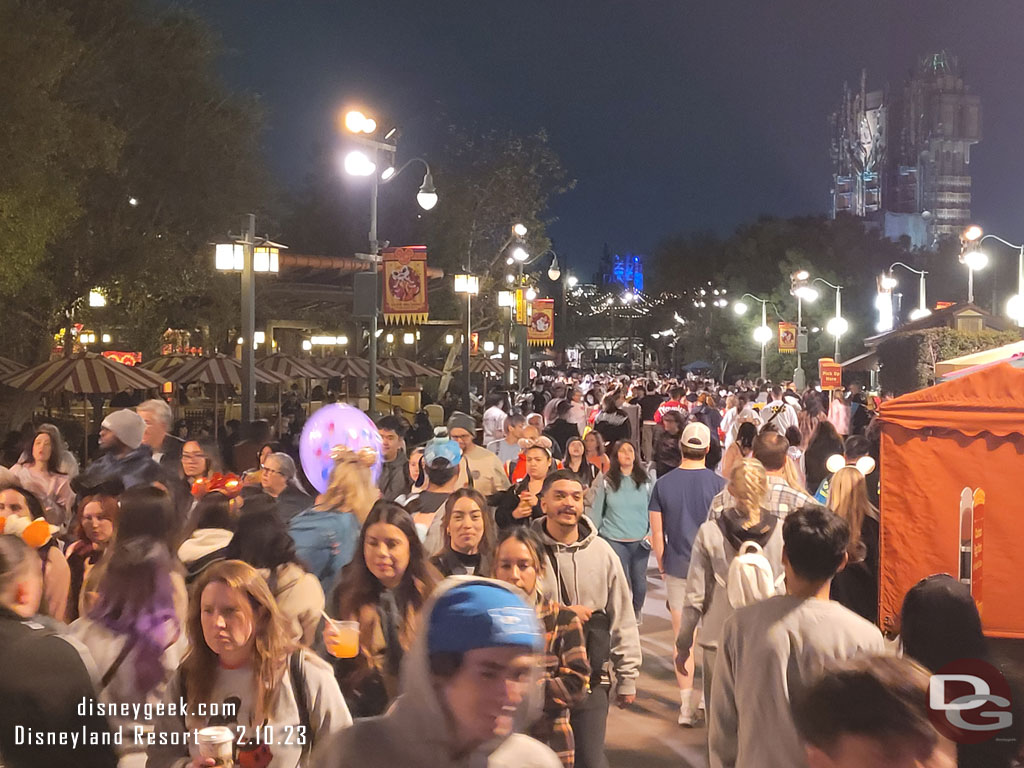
(994, 355)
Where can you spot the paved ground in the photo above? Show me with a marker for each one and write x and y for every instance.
(646, 734)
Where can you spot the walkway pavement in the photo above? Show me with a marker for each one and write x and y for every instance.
(646, 734)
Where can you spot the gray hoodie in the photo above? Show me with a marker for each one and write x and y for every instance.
(706, 600)
(591, 575)
(416, 732)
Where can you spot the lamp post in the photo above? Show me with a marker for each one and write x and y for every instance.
(1015, 306)
(469, 285)
(889, 282)
(763, 333)
(970, 256)
(838, 324)
(362, 128)
(507, 299)
(248, 255)
(801, 289)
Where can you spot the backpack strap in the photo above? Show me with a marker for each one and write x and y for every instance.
(112, 669)
(301, 691)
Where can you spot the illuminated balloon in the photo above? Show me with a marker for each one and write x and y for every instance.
(334, 425)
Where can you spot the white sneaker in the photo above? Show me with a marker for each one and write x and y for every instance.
(687, 717)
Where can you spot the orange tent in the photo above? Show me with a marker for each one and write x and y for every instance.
(952, 462)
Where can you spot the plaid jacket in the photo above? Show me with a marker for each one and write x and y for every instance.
(782, 499)
(566, 676)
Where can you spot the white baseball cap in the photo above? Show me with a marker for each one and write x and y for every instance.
(696, 436)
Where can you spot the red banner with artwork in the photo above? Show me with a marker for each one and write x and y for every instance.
(541, 332)
(787, 338)
(405, 285)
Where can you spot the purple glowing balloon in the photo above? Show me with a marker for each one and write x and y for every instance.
(333, 425)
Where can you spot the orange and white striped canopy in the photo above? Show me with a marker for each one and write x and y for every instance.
(85, 374)
(217, 370)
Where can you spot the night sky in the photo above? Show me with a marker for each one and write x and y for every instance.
(673, 116)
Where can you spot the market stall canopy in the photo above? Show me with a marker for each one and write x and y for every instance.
(406, 369)
(166, 362)
(293, 367)
(993, 402)
(218, 370)
(997, 354)
(483, 365)
(355, 367)
(86, 374)
(9, 367)
(951, 457)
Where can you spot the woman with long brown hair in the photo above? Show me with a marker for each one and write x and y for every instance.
(856, 586)
(245, 672)
(383, 589)
(468, 531)
(97, 517)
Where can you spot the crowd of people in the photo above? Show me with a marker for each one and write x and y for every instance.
(478, 602)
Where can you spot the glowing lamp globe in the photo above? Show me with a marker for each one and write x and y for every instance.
(331, 426)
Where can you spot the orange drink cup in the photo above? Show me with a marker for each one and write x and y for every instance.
(342, 639)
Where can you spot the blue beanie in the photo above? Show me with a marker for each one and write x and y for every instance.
(481, 615)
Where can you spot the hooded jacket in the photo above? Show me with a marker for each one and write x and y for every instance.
(589, 573)
(717, 543)
(417, 732)
(134, 468)
(395, 480)
(300, 598)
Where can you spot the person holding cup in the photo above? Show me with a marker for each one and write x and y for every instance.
(382, 591)
(276, 700)
(521, 503)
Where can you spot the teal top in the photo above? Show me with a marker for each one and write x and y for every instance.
(622, 515)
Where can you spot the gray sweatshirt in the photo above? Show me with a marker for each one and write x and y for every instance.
(768, 653)
(706, 597)
(591, 575)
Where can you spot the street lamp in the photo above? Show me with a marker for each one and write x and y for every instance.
(973, 258)
(248, 255)
(1015, 306)
(799, 288)
(889, 282)
(837, 325)
(763, 333)
(507, 299)
(469, 285)
(361, 129)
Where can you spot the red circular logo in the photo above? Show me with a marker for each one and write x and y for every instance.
(969, 701)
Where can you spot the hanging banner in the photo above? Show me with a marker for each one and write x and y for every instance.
(541, 332)
(787, 338)
(830, 373)
(522, 307)
(405, 285)
(125, 358)
(474, 343)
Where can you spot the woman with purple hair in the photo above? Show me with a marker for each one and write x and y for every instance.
(133, 634)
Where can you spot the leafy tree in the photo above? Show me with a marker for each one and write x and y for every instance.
(148, 159)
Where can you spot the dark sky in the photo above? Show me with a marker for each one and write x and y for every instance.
(673, 116)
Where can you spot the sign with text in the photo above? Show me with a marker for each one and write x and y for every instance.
(830, 373)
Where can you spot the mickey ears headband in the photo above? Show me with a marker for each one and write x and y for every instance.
(35, 533)
(543, 442)
(865, 464)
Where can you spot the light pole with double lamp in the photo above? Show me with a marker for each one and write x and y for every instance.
(248, 255)
(357, 163)
(889, 282)
(838, 324)
(1015, 306)
(763, 333)
(971, 257)
(800, 288)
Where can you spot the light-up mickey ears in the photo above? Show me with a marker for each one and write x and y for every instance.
(865, 464)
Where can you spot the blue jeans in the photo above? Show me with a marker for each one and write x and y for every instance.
(634, 556)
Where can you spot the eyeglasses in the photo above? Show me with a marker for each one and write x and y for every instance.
(265, 468)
